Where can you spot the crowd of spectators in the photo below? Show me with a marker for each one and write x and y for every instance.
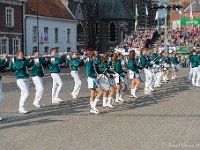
(184, 36)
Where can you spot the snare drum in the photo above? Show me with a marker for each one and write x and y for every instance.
(142, 76)
(104, 83)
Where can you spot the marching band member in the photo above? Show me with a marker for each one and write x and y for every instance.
(20, 65)
(194, 59)
(75, 64)
(174, 62)
(166, 64)
(119, 77)
(157, 71)
(55, 70)
(146, 65)
(108, 95)
(92, 72)
(133, 73)
(37, 73)
(3, 65)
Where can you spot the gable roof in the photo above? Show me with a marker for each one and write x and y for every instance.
(112, 10)
(48, 8)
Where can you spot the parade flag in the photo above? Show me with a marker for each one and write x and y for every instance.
(146, 9)
(136, 16)
(191, 16)
(156, 18)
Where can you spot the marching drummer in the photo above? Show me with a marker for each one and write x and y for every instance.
(108, 95)
(37, 73)
(75, 64)
(133, 73)
(54, 69)
(20, 65)
(92, 72)
(165, 59)
(3, 65)
(174, 62)
(157, 68)
(119, 77)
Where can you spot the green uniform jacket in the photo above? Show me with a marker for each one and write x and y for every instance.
(21, 68)
(132, 65)
(76, 63)
(145, 61)
(174, 60)
(90, 69)
(54, 66)
(105, 68)
(155, 57)
(37, 69)
(194, 59)
(3, 64)
(118, 68)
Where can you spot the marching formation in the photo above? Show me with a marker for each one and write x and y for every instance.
(106, 75)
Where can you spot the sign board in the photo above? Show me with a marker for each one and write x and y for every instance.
(187, 21)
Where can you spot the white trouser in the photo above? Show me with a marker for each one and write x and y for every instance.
(1, 93)
(195, 74)
(57, 85)
(149, 78)
(39, 88)
(23, 85)
(77, 86)
(158, 78)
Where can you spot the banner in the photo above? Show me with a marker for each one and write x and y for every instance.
(187, 21)
(183, 50)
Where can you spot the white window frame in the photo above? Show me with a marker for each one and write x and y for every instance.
(34, 34)
(56, 35)
(12, 23)
(46, 33)
(7, 45)
(68, 35)
(15, 46)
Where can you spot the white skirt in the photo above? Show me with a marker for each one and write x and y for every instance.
(92, 83)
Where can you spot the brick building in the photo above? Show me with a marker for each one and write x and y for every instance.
(175, 16)
(11, 26)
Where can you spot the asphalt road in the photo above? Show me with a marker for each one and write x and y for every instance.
(168, 119)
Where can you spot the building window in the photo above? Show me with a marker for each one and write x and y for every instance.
(68, 49)
(34, 34)
(57, 49)
(46, 32)
(16, 45)
(112, 32)
(46, 50)
(35, 48)
(56, 35)
(3, 45)
(9, 17)
(68, 35)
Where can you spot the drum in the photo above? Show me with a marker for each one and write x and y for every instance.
(104, 83)
(178, 67)
(142, 76)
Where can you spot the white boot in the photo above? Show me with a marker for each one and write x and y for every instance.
(117, 99)
(22, 110)
(93, 106)
(109, 102)
(120, 97)
(104, 102)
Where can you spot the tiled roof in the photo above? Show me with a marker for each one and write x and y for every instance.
(48, 8)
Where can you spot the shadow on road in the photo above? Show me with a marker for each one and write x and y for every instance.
(81, 106)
